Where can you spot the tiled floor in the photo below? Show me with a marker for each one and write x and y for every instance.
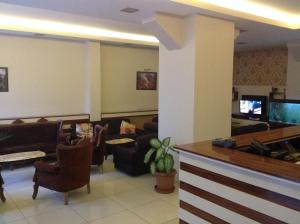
(115, 198)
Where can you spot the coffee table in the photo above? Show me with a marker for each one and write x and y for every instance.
(112, 144)
(14, 157)
(119, 141)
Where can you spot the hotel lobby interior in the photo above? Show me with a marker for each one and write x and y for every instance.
(149, 111)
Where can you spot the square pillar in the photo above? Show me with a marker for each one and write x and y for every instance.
(195, 81)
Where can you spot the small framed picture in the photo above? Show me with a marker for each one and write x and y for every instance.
(146, 81)
(3, 79)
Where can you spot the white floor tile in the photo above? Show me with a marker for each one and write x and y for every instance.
(97, 208)
(174, 221)
(62, 214)
(25, 194)
(115, 198)
(35, 207)
(112, 187)
(133, 198)
(21, 221)
(156, 212)
(81, 195)
(125, 217)
(9, 212)
(141, 181)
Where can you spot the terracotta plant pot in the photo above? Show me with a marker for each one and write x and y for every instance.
(165, 182)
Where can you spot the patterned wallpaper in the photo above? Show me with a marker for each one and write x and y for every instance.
(261, 67)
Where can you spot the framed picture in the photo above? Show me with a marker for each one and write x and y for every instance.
(3, 79)
(146, 81)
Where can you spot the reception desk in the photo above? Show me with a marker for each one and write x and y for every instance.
(223, 185)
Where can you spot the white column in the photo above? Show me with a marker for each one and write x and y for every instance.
(93, 80)
(195, 78)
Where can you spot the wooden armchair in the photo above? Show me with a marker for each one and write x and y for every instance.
(71, 172)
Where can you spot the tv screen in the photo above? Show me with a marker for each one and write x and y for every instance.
(284, 111)
(251, 107)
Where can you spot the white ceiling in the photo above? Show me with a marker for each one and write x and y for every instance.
(289, 5)
(258, 35)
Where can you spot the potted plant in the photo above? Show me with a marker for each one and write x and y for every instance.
(161, 164)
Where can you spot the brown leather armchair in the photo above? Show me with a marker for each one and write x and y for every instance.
(71, 172)
(99, 145)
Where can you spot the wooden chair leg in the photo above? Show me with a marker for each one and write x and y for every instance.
(88, 187)
(35, 191)
(2, 197)
(66, 195)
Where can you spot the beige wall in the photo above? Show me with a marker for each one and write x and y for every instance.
(119, 66)
(267, 67)
(257, 71)
(46, 77)
(57, 77)
(293, 78)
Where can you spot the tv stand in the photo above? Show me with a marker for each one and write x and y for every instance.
(254, 118)
(248, 117)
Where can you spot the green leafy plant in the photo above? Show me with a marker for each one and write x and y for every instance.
(163, 161)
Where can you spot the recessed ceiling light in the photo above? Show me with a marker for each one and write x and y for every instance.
(249, 10)
(23, 24)
(129, 10)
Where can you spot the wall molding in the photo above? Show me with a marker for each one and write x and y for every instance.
(67, 118)
(130, 113)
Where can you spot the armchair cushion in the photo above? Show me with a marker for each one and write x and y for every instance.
(46, 167)
(72, 171)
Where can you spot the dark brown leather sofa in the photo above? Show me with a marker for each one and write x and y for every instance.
(113, 131)
(30, 136)
(131, 159)
(151, 127)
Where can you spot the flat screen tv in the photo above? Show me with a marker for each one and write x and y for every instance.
(250, 107)
(284, 112)
(253, 105)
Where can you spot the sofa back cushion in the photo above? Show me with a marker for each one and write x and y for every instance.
(114, 124)
(143, 142)
(30, 133)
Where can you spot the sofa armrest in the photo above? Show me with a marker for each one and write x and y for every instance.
(46, 167)
(129, 148)
(139, 131)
